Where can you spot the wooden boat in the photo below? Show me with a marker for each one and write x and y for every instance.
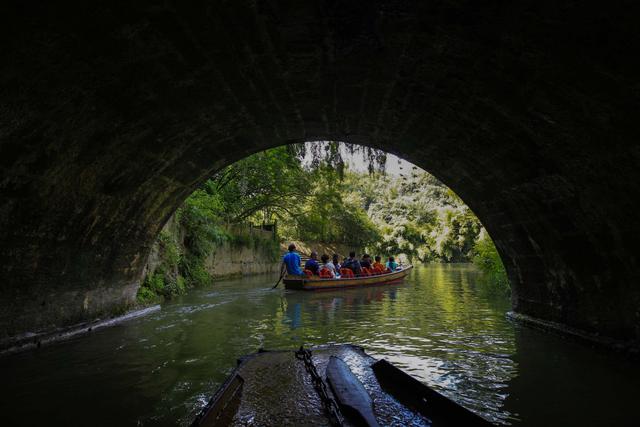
(315, 283)
(335, 384)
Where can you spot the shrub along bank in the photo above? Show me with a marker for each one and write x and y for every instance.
(184, 255)
(486, 257)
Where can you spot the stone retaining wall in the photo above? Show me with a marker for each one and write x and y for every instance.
(229, 260)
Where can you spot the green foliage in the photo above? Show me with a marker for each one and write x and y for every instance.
(199, 217)
(155, 282)
(169, 250)
(194, 272)
(333, 212)
(165, 281)
(420, 217)
(159, 285)
(263, 187)
(146, 296)
(175, 286)
(307, 202)
(488, 260)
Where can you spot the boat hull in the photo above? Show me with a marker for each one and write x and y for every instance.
(316, 284)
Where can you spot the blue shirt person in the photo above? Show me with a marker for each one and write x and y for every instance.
(392, 264)
(312, 263)
(292, 261)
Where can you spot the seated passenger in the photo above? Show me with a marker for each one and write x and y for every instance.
(312, 263)
(352, 263)
(392, 264)
(366, 261)
(327, 269)
(377, 264)
(336, 264)
(291, 261)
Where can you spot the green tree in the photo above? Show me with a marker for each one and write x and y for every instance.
(266, 186)
(420, 217)
(488, 260)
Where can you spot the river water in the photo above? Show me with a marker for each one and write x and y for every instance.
(439, 325)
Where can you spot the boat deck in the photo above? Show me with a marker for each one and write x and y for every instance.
(275, 388)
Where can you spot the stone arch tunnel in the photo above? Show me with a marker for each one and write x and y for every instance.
(112, 112)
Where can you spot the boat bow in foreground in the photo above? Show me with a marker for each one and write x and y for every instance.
(328, 385)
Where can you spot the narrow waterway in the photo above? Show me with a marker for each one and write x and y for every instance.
(439, 325)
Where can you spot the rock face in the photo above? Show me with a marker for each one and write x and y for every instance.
(111, 113)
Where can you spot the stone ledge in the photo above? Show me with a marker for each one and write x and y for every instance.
(627, 347)
(30, 340)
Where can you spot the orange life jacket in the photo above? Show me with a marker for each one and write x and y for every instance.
(326, 274)
(346, 272)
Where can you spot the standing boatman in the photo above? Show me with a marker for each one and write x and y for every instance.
(291, 261)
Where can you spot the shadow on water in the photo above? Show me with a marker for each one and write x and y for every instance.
(438, 325)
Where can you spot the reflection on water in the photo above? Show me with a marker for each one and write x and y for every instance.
(160, 369)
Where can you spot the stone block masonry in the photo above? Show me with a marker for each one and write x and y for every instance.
(111, 115)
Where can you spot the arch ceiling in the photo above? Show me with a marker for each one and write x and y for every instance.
(113, 112)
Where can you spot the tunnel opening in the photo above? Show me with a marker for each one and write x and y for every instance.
(329, 198)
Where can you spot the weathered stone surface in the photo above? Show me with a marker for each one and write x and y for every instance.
(112, 112)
